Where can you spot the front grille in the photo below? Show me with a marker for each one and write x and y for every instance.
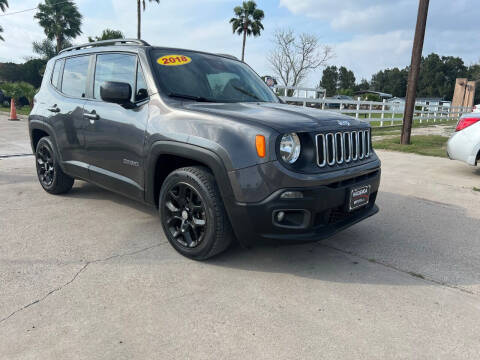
(342, 147)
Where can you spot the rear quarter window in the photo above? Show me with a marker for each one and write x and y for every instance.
(56, 73)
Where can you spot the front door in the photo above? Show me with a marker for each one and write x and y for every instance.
(115, 134)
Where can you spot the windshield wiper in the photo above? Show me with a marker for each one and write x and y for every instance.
(191, 97)
(246, 92)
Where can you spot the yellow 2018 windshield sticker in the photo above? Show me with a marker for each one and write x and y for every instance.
(173, 60)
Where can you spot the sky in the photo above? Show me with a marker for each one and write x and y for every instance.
(366, 35)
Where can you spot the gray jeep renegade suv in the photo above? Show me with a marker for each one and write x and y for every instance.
(203, 139)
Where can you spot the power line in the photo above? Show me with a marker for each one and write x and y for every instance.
(35, 8)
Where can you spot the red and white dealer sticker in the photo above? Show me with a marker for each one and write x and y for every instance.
(359, 197)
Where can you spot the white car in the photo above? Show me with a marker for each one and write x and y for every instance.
(464, 144)
(476, 108)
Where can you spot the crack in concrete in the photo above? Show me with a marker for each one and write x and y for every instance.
(14, 155)
(420, 277)
(83, 268)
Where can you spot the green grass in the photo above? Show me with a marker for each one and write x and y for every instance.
(430, 145)
(392, 130)
(24, 110)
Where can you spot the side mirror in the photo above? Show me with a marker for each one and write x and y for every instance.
(116, 92)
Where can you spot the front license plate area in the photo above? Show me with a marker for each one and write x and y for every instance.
(359, 197)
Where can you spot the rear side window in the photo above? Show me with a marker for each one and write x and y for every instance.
(74, 82)
(114, 67)
(56, 73)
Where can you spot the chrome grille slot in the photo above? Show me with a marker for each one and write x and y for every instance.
(361, 141)
(342, 147)
(339, 148)
(331, 149)
(354, 145)
(321, 150)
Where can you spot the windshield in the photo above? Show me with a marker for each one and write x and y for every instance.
(203, 77)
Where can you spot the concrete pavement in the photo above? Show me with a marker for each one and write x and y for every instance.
(89, 275)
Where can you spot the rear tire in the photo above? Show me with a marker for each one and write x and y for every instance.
(193, 215)
(50, 175)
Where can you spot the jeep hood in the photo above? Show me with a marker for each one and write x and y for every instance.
(280, 117)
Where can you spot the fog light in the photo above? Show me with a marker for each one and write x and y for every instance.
(280, 216)
(292, 195)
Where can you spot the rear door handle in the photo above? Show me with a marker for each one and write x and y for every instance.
(54, 109)
(92, 117)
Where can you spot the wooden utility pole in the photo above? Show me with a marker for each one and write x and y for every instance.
(414, 71)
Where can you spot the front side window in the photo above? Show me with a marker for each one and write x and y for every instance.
(114, 67)
(207, 77)
(75, 73)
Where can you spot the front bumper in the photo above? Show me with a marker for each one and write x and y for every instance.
(322, 212)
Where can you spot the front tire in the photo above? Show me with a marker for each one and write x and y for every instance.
(193, 215)
(50, 175)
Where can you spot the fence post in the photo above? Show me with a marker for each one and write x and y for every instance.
(304, 104)
(370, 111)
(382, 116)
(323, 103)
(393, 114)
(358, 107)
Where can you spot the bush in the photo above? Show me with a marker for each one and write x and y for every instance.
(19, 91)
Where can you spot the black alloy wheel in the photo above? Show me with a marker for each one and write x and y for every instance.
(45, 165)
(185, 215)
(193, 215)
(50, 174)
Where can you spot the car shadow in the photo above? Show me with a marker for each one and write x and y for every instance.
(85, 190)
(423, 240)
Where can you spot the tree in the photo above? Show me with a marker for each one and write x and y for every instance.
(3, 7)
(107, 34)
(46, 48)
(18, 90)
(32, 71)
(364, 85)
(330, 80)
(141, 3)
(60, 20)
(247, 21)
(391, 81)
(294, 57)
(346, 79)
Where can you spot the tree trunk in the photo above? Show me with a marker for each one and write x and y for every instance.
(139, 20)
(244, 40)
(59, 43)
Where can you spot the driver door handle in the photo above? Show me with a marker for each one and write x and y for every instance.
(54, 109)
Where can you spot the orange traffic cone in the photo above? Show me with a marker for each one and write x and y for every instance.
(13, 111)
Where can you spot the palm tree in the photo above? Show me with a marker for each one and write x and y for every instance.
(46, 48)
(3, 7)
(247, 21)
(60, 20)
(141, 3)
(107, 34)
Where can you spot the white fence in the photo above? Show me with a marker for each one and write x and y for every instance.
(384, 112)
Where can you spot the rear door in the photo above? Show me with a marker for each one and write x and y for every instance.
(66, 106)
(115, 134)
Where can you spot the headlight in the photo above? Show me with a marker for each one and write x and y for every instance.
(290, 148)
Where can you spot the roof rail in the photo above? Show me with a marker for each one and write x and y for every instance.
(105, 43)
